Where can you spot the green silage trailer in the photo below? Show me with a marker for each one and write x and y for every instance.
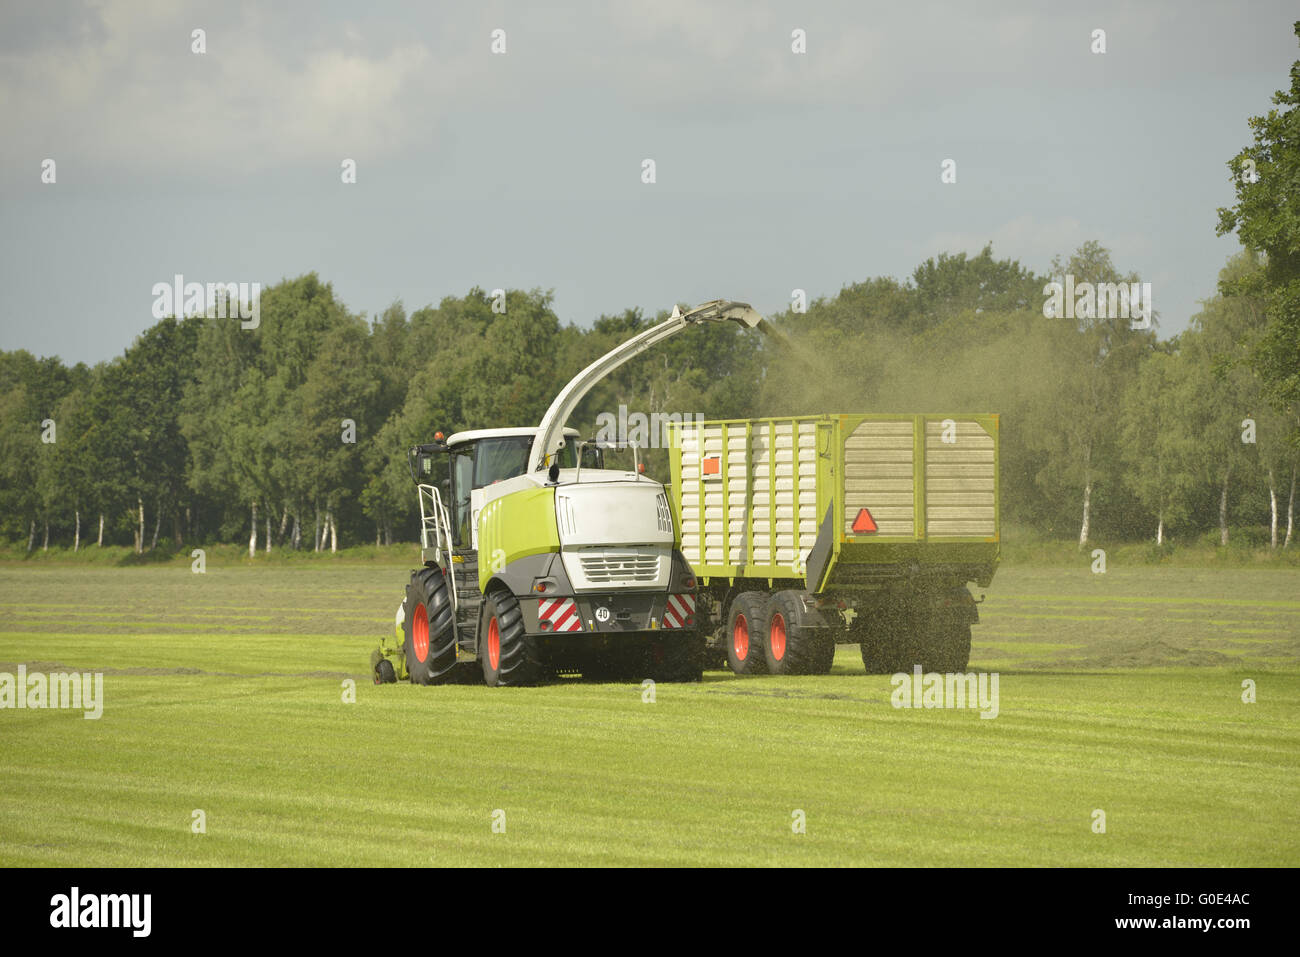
(811, 531)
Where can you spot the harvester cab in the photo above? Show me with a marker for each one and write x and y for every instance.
(538, 560)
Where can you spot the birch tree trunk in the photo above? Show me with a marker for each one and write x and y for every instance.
(139, 529)
(316, 534)
(45, 544)
(76, 538)
(100, 541)
(31, 536)
(1223, 509)
(334, 532)
(1160, 528)
(268, 533)
(157, 521)
(252, 536)
(1087, 513)
(1290, 510)
(1272, 506)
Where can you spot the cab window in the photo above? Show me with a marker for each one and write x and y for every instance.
(496, 460)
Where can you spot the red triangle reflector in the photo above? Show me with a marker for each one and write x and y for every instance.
(864, 522)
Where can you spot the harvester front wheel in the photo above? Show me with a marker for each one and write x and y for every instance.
(508, 655)
(745, 634)
(429, 629)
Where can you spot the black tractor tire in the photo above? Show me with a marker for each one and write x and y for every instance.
(429, 629)
(675, 657)
(384, 673)
(509, 656)
(792, 644)
(744, 636)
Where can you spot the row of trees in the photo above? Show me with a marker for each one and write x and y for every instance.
(292, 434)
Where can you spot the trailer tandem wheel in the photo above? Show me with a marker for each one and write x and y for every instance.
(794, 646)
(745, 638)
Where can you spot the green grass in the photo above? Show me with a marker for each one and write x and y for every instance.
(224, 693)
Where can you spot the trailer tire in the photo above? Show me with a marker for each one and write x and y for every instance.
(429, 629)
(792, 645)
(744, 637)
(937, 634)
(509, 656)
(949, 651)
(885, 636)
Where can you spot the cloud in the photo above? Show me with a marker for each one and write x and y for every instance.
(118, 86)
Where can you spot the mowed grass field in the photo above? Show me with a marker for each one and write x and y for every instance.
(224, 693)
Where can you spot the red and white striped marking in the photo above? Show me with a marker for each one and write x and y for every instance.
(678, 609)
(562, 613)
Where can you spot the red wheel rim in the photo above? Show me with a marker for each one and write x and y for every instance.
(740, 638)
(494, 643)
(777, 636)
(420, 633)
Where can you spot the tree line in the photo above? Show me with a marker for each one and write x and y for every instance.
(293, 434)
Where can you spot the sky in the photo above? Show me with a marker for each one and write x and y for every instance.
(774, 170)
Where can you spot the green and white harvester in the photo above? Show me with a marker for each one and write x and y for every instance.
(539, 561)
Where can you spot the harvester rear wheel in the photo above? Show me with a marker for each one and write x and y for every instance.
(745, 635)
(429, 629)
(508, 655)
(794, 646)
